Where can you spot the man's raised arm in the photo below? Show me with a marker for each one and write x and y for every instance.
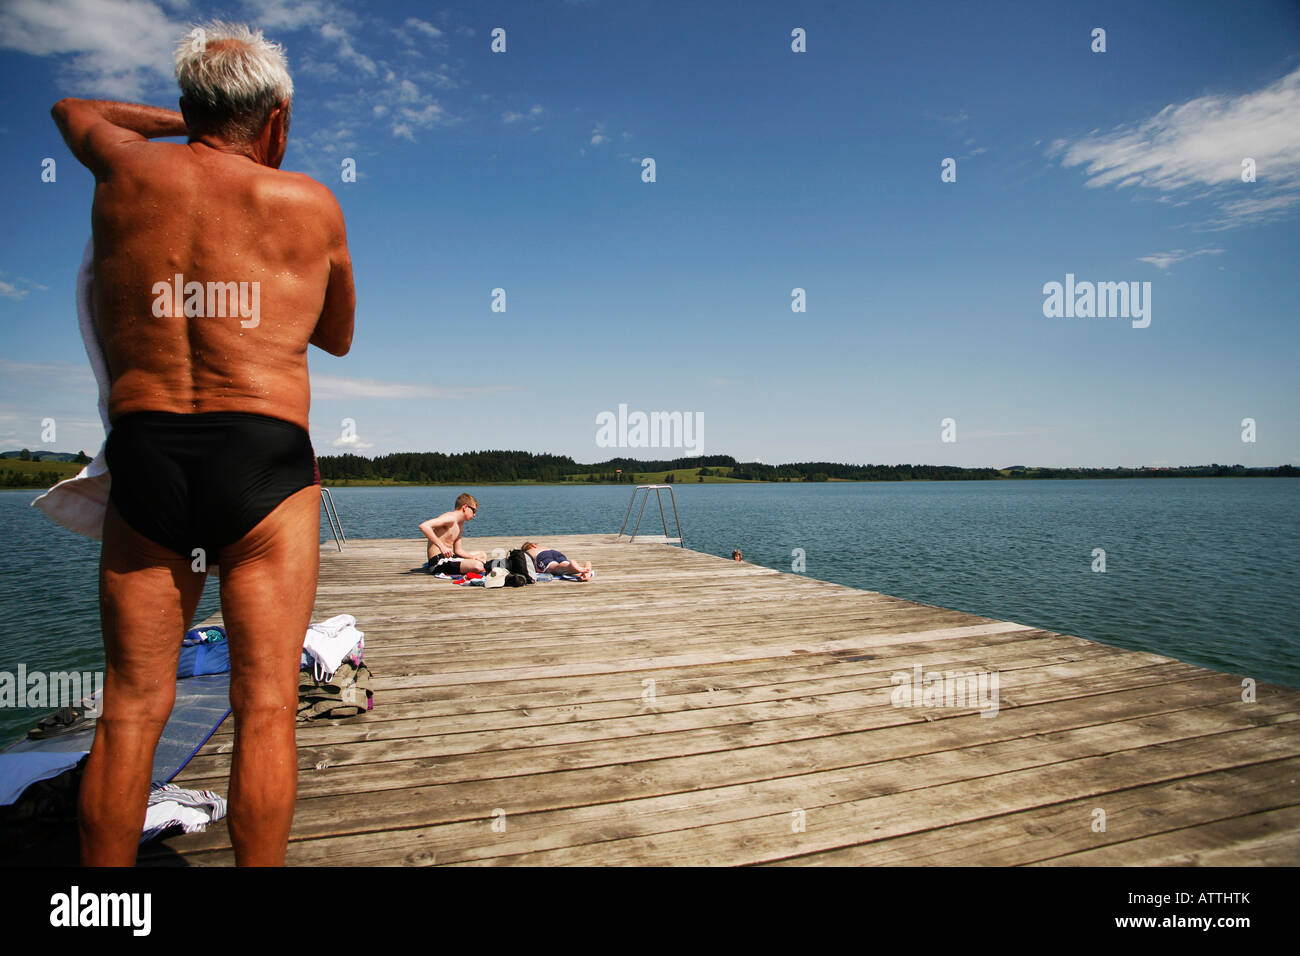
(333, 331)
(94, 128)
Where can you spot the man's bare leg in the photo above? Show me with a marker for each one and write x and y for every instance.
(147, 598)
(268, 589)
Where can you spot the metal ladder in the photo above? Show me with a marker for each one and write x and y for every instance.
(332, 515)
(658, 490)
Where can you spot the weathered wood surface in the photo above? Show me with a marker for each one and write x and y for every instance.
(687, 709)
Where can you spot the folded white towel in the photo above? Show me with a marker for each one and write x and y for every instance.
(79, 503)
(326, 644)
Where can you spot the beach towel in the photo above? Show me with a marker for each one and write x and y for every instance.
(79, 503)
(171, 806)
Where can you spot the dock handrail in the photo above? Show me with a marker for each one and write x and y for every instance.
(658, 490)
(332, 515)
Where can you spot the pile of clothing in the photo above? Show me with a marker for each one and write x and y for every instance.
(333, 680)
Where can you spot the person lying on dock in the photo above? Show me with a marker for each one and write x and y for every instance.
(550, 561)
(445, 534)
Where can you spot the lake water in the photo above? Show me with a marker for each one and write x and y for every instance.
(1204, 570)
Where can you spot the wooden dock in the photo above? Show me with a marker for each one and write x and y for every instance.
(686, 709)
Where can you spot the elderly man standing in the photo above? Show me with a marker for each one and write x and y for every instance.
(214, 271)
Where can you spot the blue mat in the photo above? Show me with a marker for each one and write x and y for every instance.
(202, 703)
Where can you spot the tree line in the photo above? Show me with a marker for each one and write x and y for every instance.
(490, 467)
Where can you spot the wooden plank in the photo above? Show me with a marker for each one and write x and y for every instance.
(1072, 832)
(771, 690)
(722, 798)
(770, 835)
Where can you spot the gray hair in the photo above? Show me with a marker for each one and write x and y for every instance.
(231, 77)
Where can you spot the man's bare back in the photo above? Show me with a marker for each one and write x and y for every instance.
(215, 217)
(209, 452)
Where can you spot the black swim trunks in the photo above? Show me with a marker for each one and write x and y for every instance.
(204, 480)
(443, 565)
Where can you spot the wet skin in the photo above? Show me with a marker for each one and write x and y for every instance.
(213, 211)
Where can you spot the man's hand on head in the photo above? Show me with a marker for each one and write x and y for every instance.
(95, 129)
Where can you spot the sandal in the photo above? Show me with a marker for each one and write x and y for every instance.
(65, 720)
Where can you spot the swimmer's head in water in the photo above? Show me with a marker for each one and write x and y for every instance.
(231, 79)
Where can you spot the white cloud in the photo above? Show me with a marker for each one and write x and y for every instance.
(1200, 145)
(1253, 210)
(533, 114)
(9, 291)
(339, 387)
(55, 376)
(114, 48)
(1163, 260)
(289, 14)
(427, 115)
(346, 51)
(354, 443)
(421, 26)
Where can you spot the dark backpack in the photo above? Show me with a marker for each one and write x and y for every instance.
(520, 568)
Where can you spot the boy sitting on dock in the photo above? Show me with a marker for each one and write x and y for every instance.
(445, 537)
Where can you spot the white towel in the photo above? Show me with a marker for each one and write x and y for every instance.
(79, 503)
(326, 644)
(171, 806)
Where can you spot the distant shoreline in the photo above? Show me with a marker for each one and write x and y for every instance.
(358, 483)
(503, 468)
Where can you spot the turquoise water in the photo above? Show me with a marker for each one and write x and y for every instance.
(1204, 570)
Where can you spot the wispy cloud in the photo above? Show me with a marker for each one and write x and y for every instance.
(291, 14)
(346, 51)
(57, 376)
(116, 48)
(533, 114)
(1199, 147)
(338, 387)
(415, 27)
(356, 444)
(1163, 260)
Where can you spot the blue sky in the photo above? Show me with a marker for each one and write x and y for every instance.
(775, 170)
